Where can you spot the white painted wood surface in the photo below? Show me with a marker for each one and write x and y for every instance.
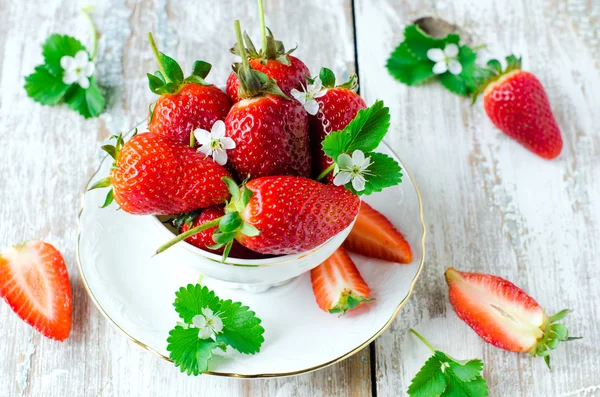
(489, 204)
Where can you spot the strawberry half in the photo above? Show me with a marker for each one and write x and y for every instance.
(516, 102)
(35, 284)
(338, 285)
(185, 104)
(373, 235)
(503, 315)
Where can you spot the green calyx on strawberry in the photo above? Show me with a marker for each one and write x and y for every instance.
(553, 334)
(169, 79)
(113, 151)
(328, 80)
(493, 72)
(252, 82)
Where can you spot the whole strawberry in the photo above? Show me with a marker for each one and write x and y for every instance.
(331, 108)
(289, 72)
(517, 104)
(281, 215)
(153, 174)
(184, 104)
(270, 130)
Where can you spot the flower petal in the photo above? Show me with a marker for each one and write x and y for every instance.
(435, 54)
(358, 183)
(218, 129)
(342, 178)
(344, 161)
(440, 67)
(217, 324)
(454, 67)
(207, 312)
(365, 164)
(199, 321)
(67, 63)
(358, 157)
(227, 143)
(203, 137)
(89, 69)
(220, 156)
(81, 58)
(298, 95)
(83, 81)
(69, 77)
(316, 85)
(205, 333)
(320, 93)
(451, 50)
(206, 149)
(311, 107)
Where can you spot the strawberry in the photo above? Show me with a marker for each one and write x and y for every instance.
(338, 285)
(204, 240)
(373, 235)
(337, 107)
(35, 284)
(504, 315)
(289, 72)
(280, 215)
(153, 174)
(184, 104)
(517, 104)
(270, 131)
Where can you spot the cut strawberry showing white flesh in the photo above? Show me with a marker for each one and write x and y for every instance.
(338, 285)
(503, 315)
(35, 283)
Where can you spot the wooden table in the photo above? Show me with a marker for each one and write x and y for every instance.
(490, 205)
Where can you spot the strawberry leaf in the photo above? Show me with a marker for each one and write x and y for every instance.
(44, 87)
(188, 352)
(173, 71)
(56, 47)
(88, 102)
(190, 300)
(241, 328)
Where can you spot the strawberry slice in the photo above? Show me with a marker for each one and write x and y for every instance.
(35, 283)
(373, 235)
(338, 285)
(503, 315)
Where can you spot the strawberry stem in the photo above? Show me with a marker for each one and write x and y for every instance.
(85, 11)
(263, 30)
(415, 333)
(327, 171)
(189, 233)
(192, 140)
(157, 56)
(240, 42)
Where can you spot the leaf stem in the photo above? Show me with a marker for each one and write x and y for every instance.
(86, 13)
(327, 171)
(189, 233)
(192, 140)
(422, 339)
(157, 56)
(240, 42)
(263, 30)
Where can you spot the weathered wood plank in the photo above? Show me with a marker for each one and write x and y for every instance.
(49, 155)
(490, 205)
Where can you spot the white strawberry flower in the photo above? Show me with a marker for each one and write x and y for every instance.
(214, 143)
(351, 169)
(77, 69)
(308, 96)
(208, 323)
(445, 60)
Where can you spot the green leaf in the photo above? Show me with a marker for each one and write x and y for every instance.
(364, 133)
(494, 64)
(109, 199)
(57, 46)
(327, 78)
(241, 328)
(188, 352)
(230, 222)
(44, 87)
(466, 82)
(466, 371)
(201, 69)
(154, 82)
(190, 300)
(429, 381)
(249, 230)
(223, 238)
(102, 183)
(383, 172)
(89, 102)
(172, 69)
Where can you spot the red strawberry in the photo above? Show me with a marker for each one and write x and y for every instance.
(153, 174)
(184, 104)
(270, 130)
(282, 215)
(338, 285)
(204, 239)
(289, 72)
(35, 283)
(373, 235)
(517, 104)
(504, 315)
(337, 108)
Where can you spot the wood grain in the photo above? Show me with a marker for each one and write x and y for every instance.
(490, 205)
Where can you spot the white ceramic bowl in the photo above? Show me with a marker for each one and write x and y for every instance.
(251, 274)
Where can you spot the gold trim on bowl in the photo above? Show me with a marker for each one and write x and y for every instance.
(255, 376)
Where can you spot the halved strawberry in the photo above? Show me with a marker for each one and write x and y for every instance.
(35, 283)
(338, 285)
(373, 235)
(503, 315)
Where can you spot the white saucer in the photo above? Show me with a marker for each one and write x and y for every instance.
(135, 291)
